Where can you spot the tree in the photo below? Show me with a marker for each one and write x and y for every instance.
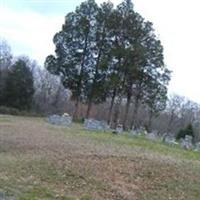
(173, 110)
(74, 50)
(187, 131)
(105, 53)
(156, 103)
(5, 62)
(120, 54)
(97, 86)
(19, 86)
(50, 96)
(5, 55)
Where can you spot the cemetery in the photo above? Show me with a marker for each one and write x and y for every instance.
(55, 151)
(94, 105)
(96, 125)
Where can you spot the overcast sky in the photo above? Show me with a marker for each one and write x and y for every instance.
(29, 26)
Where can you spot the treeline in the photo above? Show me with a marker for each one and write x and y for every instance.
(111, 54)
(25, 86)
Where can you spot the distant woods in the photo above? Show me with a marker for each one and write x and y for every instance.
(25, 86)
(16, 80)
(111, 54)
(108, 65)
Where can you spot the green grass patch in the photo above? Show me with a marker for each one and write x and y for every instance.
(158, 146)
(36, 193)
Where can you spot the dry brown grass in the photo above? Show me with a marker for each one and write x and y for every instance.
(41, 161)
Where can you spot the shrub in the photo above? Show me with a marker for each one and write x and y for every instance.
(180, 134)
(187, 131)
(14, 111)
(9, 111)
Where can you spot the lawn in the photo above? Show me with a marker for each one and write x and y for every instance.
(42, 161)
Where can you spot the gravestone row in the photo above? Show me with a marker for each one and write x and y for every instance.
(92, 124)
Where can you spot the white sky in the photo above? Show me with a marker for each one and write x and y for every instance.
(29, 26)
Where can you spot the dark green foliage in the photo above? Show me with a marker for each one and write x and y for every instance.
(83, 52)
(14, 111)
(9, 111)
(180, 134)
(19, 86)
(75, 50)
(187, 131)
(104, 52)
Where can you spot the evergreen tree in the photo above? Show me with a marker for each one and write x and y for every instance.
(75, 44)
(97, 85)
(141, 56)
(104, 53)
(187, 131)
(120, 53)
(19, 86)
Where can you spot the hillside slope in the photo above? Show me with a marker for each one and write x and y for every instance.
(42, 161)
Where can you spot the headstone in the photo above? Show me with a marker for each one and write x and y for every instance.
(4, 197)
(119, 129)
(168, 139)
(197, 147)
(133, 132)
(137, 132)
(60, 120)
(187, 142)
(93, 124)
(151, 136)
(66, 115)
(143, 131)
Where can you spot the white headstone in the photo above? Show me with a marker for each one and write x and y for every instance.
(197, 146)
(60, 120)
(187, 142)
(133, 132)
(151, 136)
(119, 128)
(95, 124)
(169, 140)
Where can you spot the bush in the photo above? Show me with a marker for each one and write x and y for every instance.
(187, 131)
(180, 134)
(14, 111)
(79, 120)
(9, 111)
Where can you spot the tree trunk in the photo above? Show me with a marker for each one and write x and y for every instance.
(89, 109)
(94, 84)
(126, 111)
(56, 99)
(111, 108)
(171, 120)
(135, 113)
(149, 126)
(79, 85)
(75, 114)
(117, 112)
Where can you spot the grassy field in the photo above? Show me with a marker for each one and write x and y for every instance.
(42, 161)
